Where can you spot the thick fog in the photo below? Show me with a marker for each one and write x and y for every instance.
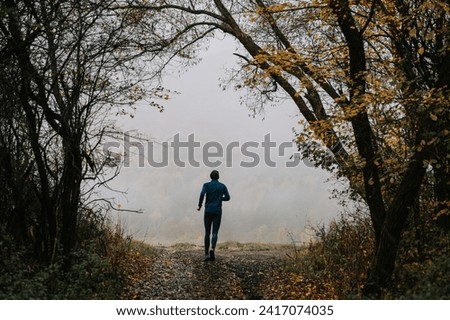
(269, 203)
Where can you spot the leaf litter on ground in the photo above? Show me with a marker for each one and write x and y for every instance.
(241, 271)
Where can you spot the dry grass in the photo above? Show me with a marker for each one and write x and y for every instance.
(337, 258)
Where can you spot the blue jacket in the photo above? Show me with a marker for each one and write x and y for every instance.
(215, 192)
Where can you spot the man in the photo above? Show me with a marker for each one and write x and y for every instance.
(215, 192)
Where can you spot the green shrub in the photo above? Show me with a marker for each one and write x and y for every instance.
(423, 265)
(97, 268)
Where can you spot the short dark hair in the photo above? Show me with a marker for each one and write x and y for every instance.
(214, 175)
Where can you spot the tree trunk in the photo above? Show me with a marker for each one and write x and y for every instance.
(69, 197)
(360, 121)
(384, 261)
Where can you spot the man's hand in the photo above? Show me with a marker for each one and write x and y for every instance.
(199, 208)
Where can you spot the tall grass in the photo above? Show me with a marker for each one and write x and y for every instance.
(340, 254)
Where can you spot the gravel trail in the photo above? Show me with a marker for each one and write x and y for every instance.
(182, 274)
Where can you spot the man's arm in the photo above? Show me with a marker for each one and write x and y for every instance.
(226, 195)
(202, 196)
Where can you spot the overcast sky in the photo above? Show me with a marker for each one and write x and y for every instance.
(267, 204)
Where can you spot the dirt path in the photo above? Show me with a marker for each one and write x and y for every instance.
(181, 273)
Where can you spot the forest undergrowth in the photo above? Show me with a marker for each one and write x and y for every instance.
(100, 266)
(333, 265)
(340, 254)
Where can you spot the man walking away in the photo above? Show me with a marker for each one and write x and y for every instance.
(215, 192)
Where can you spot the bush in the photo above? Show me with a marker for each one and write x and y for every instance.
(97, 269)
(339, 254)
(90, 277)
(423, 265)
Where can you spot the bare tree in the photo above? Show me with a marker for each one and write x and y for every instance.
(67, 65)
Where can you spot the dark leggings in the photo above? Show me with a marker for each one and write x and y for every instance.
(213, 220)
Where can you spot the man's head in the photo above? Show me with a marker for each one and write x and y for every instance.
(214, 175)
